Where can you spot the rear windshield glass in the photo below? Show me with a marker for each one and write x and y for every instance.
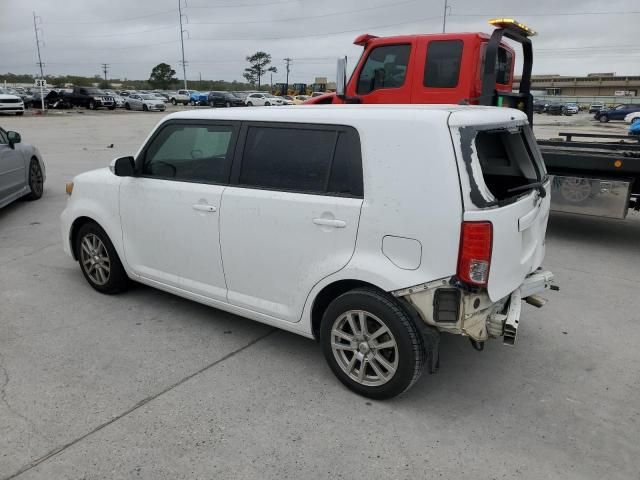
(509, 160)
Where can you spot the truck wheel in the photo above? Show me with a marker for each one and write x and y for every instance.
(99, 260)
(371, 344)
(92, 105)
(604, 118)
(173, 101)
(112, 107)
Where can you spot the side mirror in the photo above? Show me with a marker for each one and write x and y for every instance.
(123, 167)
(341, 77)
(13, 137)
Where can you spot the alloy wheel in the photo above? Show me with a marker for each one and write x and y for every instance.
(35, 178)
(364, 348)
(94, 258)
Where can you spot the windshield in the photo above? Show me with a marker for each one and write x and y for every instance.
(148, 96)
(94, 91)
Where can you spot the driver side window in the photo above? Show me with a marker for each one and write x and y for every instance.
(192, 153)
(386, 67)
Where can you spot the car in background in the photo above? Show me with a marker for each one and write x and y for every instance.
(571, 109)
(257, 99)
(616, 113)
(300, 99)
(160, 97)
(22, 171)
(596, 107)
(240, 95)
(539, 106)
(181, 96)
(198, 98)
(116, 98)
(318, 94)
(145, 102)
(632, 117)
(53, 99)
(556, 109)
(224, 99)
(286, 100)
(19, 92)
(10, 103)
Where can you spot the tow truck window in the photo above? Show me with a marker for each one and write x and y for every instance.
(442, 68)
(386, 67)
(503, 66)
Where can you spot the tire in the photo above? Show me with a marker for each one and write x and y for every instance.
(92, 105)
(387, 371)
(267, 104)
(19, 114)
(127, 106)
(185, 103)
(249, 104)
(145, 108)
(107, 275)
(192, 103)
(36, 181)
(212, 105)
(173, 101)
(604, 118)
(112, 107)
(227, 105)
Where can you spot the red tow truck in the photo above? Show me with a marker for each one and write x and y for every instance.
(599, 176)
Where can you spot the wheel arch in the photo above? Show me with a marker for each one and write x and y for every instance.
(327, 294)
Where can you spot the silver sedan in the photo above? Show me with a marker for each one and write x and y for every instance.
(22, 172)
(144, 101)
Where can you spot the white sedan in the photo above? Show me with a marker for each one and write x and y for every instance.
(632, 117)
(264, 100)
(145, 102)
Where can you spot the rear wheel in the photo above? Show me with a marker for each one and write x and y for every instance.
(173, 101)
(249, 104)
(145, 108)
(127, 106)
(604, 118)
(36, 180)
(371, 344)
(92, 105)
(99, 260)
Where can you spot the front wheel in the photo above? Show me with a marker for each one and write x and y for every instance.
(227, 105)
(371, 344)
(145, 108)
(267, 104)
(99, 260)
(604, 118)
(36, 180)
(127, 106)
(249, 104)
(173, 101)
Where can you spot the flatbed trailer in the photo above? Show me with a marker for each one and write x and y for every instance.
(593, 177)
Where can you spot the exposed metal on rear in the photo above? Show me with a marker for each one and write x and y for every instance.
(590, 196)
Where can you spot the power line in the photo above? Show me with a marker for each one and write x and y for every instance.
(563, 14)
(129, 19)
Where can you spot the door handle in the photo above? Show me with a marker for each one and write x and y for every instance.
(328, 222)
(203, 207)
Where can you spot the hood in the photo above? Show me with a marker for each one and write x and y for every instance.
(6, 96)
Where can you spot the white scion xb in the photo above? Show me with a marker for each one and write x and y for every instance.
(371, 228)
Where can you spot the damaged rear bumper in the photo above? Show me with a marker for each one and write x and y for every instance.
(448, 307)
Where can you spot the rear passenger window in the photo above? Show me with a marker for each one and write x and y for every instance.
(442, 68)
(287, 158)
(302, 160)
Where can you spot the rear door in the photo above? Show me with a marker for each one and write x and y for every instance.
(290, 216)
(499, 166)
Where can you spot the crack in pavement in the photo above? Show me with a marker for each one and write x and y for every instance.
(141, 403)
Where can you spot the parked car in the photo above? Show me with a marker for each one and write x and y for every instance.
(263, 99)
(284, 100)
(616, 113)
(119, 100)
(556, 109)
(632, 117)
(89, 97)
(198, 98)
(539, 106)
(10, 103)
(571, 109)
(300, 99)
(373, 262)
(240, 95)
(145, 102)
(19, 92)
(160, 97)
(22, 172)
(52, 100)
(223, 99)
(181, 96)
(596, 107)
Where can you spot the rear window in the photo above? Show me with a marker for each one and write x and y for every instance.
(508, 160)
(442, 68)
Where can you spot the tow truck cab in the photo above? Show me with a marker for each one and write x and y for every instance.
(469, 68)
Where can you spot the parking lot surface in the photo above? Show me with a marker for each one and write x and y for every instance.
(148, 385)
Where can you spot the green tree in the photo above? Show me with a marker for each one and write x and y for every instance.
(162, 76)
(259, 65)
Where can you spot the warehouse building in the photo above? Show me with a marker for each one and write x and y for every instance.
(592, 85)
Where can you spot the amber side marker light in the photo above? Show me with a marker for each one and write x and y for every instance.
(68, 188)
(514, 24)
(617, 163)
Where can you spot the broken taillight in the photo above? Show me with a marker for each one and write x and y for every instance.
(474, 258)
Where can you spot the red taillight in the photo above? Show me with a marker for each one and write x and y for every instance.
(474, 258)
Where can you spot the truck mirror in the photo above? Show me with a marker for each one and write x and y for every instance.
(341, 77)
(123, 167)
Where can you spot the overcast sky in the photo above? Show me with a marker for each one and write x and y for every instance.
(575, 36)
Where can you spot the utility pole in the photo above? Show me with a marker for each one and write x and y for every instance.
(105, 69)
(271, 84)
(288, 60)
(444, 15)
(35, 28)
(184, 64)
